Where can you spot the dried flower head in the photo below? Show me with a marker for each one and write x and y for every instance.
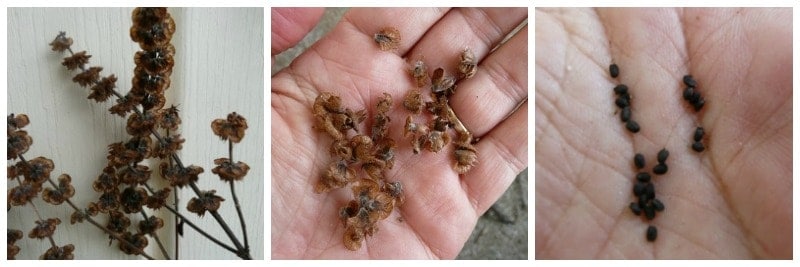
(139, 242)
(385, 152)
(231, 128)
(77, 216)
(420, 73)
(21, 194)
(76, 61)
(395, 190)
(88, 76)
(341, 149)
(413, 101)
(353, 237)
(37, 170)
(135, 175)
(18, 143)
(61, 43)
(135, 150)
(150, 225)
(44, 228)
(60, 194)
(117, 222)
(466, 157)
(388, 38)
(11, 237)
(152, 29)
(152, 102)
(107, 181)
(327, 102)
(338, 175)
(144, 81)
(17, 121)
(169, 146)
(157, 60)
(108, 201)
(59, 253)
(158, 199)
(467, 65)
(442, 84)
(229, 171)
(103, 89)
(437, 140)
(362, 147)
(178, 176)
(208, 201)
(169, 118)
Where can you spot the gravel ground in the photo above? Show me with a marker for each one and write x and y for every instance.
(502, 232)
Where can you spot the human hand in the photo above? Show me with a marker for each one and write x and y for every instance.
(731, 201)
(441, 207)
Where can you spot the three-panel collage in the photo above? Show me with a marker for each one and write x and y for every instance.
(143, 133)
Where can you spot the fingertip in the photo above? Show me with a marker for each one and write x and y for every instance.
(290, 25)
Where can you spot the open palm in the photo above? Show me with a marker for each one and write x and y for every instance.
(732, 201)
(441, 207)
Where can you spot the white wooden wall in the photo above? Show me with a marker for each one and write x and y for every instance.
(219, 69)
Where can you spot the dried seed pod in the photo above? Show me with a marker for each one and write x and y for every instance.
(437, 140)
(88, 76)
(385, 103)
(230, 128)
(103, 89)
(395, 190)
(44, 228)
(613, 70)
(467, 66)
(229, 171)
(59, 253)
(337, 175)
(62, 193)
(413, 101)
(208, 201)
(17, 121)
(61, 42)
(76, 61)
(362, 147)
(466, 157)
(341, 149)
(388, 38)
(353, 237)
(442, 84)
(420, 73)
(158, 60)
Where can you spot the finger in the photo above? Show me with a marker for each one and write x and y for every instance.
(502, 154)
(499, 85)
(289, 25)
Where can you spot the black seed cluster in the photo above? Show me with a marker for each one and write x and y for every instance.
(698, 138)
(643, 188)
(691, 94)
(661, 167)
(623, 101)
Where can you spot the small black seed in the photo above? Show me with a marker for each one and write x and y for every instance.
(649, 212)
(699, 104)
(632, 126)
(689, 81)
(643, 200)
(661, 168)
(638, 189)
(621, 89)
(688, 93)
(652, 233)
(658, 205)
(625, 115)
(638, 160)
(650, 191)
(663, 155)
(643, 177)
(635, 208)
(698, 133)
(698, 146)
(622, 102)
(614, 70)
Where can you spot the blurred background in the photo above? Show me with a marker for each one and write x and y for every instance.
(502, 232)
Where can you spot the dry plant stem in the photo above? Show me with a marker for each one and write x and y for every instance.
(158, 240)
(236, 200)
(240, 251)
(457, 125)
(89, 218)
(194, 226)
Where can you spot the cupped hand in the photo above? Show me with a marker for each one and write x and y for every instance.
(441, 207)
(732, 201)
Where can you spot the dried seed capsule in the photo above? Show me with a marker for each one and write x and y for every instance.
(621, 89)
(635, 208)
(652, 233)
(688, 93)
(698, 146)
(661, 168)
(649, 212)
(467, 66)
(638, 160)
(643, 177)
(698, 134)
(689, 81)
(658, 205)
(638, 188)
(622, 102)
(625, 115)
(663, 155)
(614, 70)
(632, 126)
(420, 73)
(388, 38)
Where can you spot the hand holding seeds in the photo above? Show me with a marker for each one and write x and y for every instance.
(728, 167)
(421, 205)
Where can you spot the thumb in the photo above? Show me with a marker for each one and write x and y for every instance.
(289, 25)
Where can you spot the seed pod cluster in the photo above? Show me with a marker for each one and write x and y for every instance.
(645, 192)
(623, 101)
(691, 95)
(698, 138)
(374, 196)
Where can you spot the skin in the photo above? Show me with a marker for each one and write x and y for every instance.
(732, 201)
(441, 207)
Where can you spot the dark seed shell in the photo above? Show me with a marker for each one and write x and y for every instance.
(663, 155)
(652, 233)
(658, 205)
(643, 177)
(621, 89)
(638, 160)
(698, 146)
(689, 81)
(614, 70)
(625, 115)
(660, 169)
(632, 126)
(635, 208)
(698, 133)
